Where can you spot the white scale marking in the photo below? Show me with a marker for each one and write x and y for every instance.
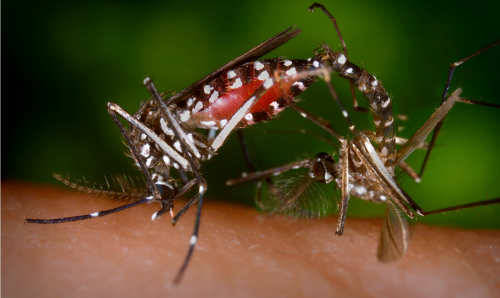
(360, 190)
(384, 151)
(209, 124)
(316, 64)
(341, 59)
(177, 145)
(237, 84)
(190, 102)
(223, 122)
(198, 107)
(287, 63)
(143, 136)
(268, 83)
(328, 176)
(301, 85)
(190, 137)
(383, 198)
(275, 105)
(303, 115)
(95, 214)
(186, 115)
(201, 190)
(386, 103)
(150, 198)
(263, 75)
(377, 122)
(165, 128)
(145, 150)
(349, 70)
(166, 160)
(231, 74)
(357, 164)
(345, 114)
(249, 117)
(149, 161)
(258, 66)
(292, 71)
(214, 97)
(193, 240)
(207, 89)
(153, 217)
(389, 122)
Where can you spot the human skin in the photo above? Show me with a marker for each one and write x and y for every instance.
(240, 253)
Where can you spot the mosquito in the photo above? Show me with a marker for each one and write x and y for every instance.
(162, 133)
(366, 162)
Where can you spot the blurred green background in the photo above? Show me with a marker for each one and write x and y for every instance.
(64, 60)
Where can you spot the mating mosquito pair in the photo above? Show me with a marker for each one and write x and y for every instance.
(162, 134)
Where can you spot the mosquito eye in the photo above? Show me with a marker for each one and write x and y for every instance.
(319, 171)
(322, 155)
(330, 165)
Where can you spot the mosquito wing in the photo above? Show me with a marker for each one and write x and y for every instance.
(394, 238)
(249, 56)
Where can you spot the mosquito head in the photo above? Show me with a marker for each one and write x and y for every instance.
(324, 169)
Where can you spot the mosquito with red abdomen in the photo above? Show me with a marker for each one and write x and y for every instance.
(366, 162)
(162, 133)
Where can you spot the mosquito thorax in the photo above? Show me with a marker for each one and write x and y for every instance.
(323, 168)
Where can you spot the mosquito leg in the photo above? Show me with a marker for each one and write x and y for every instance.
(185, 143)
(240, 113)
(250, 166)
(309, 116)
(88, 216)
(336, 98)
(423, 131)
(402, 141)
(194, 238)
(152, 187)
(330, 16)
(211, 134)
(409, 171)
(246, 152)
(421, 212)
(443, 98)
(417, 139)
(344, 201)
(165, 208)
(271, 172)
